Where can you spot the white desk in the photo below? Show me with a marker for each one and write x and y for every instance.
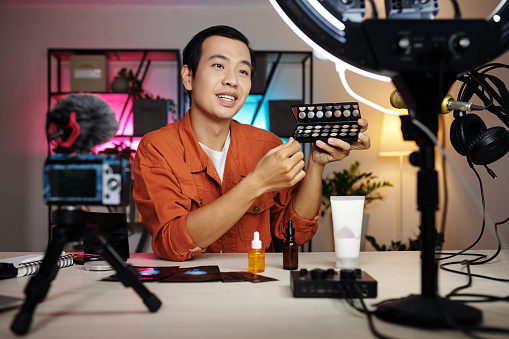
(78, 305)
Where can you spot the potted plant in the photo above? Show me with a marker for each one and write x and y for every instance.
(414, 244)
(352, 181)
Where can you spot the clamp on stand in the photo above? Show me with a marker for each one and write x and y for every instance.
(71, 226)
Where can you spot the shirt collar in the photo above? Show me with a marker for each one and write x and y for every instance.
(197, 159)
(194, 156)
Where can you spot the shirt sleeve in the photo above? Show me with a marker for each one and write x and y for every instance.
(164, 208)
(283, 212)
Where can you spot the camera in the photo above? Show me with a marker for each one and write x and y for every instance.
(86, 180)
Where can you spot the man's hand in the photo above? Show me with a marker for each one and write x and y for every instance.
(280, 168)
(337, 149)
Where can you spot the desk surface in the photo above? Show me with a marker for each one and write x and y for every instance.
(78, 305)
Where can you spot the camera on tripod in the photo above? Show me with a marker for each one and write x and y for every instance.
(86, 180)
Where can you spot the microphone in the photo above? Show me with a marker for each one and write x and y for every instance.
(448, 104)
(80, 122)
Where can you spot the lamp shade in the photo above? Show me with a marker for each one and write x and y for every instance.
(392, 143)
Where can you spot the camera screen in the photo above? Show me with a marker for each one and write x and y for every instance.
(71, 183)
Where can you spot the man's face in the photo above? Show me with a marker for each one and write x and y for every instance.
(223, 78)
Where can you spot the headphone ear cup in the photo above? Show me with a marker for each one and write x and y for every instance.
(489, 146)
(463, 130)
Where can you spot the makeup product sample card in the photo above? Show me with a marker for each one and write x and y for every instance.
(323, 121)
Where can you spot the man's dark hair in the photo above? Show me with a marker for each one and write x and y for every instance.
(192, 51)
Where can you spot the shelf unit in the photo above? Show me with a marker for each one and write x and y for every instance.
(271, 62)
(157, 69)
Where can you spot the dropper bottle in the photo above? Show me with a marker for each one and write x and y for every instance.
(290, 249)
(256, 256)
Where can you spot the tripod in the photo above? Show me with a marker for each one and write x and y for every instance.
(71, 226)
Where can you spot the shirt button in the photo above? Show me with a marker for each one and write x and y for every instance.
(256, 209)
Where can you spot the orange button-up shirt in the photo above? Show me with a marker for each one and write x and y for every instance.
(174, 176)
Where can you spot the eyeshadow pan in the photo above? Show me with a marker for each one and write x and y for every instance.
(321, 121)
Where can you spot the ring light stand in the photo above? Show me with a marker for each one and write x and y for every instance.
(423, 58)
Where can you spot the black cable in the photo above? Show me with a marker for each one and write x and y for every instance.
(486, 298)
(374, 12)
(454, 325)
(468, 80)
(457, 12)
(348, 296)
(476, 82)
(445, 191)
(483, 217)
(475, 262)
(467, 285)
(497, 235)
(480, 298)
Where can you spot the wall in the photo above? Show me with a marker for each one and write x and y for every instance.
(27, 33)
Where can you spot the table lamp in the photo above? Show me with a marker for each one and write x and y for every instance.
(392, 144)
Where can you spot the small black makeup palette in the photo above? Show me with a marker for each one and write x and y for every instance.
(323, 121)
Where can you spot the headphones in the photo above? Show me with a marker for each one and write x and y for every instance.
(469, 135)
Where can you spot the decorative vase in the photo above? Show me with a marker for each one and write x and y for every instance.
(120, 85)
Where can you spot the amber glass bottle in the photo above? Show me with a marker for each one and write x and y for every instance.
(290, 249)
(256, 256)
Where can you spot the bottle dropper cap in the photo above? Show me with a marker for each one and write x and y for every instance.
(290, 231)
(256, 243)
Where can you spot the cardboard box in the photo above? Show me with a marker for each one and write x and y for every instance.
(89, 73)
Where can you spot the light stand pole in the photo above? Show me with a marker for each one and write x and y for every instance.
(427, 309)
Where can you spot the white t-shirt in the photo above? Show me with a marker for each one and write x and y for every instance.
(218, 158)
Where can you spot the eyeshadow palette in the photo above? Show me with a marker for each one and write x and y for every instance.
(323, 121)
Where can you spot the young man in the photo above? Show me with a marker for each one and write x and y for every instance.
(207, 182)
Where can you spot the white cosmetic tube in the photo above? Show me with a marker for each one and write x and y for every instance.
(347, 214)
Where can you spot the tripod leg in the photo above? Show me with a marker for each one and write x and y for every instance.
(38, 286)
(127, 274)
